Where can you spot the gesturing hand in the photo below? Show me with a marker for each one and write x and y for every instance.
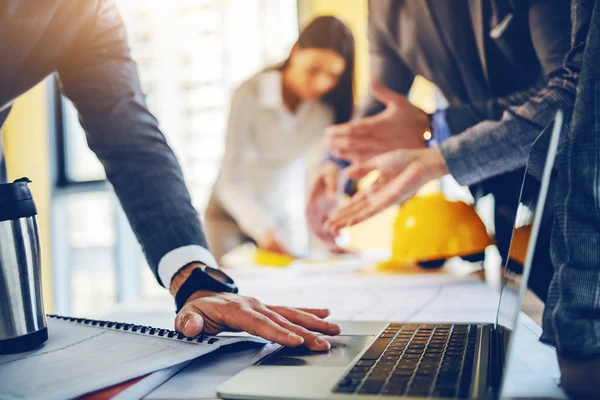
(322, 199)
(212, 313)
(400, 126)
(402, 173)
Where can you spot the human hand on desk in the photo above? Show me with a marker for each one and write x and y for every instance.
(402, 174)
(271, 241)
(212, 313)
(400, 126)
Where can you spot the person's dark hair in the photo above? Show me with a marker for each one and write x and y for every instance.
(331, 33)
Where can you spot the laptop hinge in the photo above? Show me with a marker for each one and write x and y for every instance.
(497, 358)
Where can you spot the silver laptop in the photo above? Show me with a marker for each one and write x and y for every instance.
(411, 360)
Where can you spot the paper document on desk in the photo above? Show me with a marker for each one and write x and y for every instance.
(78, 359)
(200, 379)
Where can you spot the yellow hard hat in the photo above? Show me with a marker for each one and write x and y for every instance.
(430, 229)
(270, 259)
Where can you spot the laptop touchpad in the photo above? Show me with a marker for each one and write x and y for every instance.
(343, 350)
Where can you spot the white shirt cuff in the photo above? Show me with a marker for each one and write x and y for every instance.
(178, 258)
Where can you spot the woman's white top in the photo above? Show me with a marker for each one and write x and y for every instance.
(269, 153)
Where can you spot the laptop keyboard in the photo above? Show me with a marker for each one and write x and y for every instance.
(416, 360)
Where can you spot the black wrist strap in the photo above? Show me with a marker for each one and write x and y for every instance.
(200, 280)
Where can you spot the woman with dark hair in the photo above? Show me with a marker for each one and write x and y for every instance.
(275, 127)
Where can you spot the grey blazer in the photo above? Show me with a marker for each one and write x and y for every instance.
(85, 43)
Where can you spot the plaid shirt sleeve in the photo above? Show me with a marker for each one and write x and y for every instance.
(492, 148)
(572, 315)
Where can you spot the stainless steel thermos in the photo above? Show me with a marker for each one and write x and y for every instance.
(22, 318)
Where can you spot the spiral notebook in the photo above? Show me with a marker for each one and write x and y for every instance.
(84, 355)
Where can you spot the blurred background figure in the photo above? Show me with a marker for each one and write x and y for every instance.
(274, 134)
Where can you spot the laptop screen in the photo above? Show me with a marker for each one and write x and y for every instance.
(532, 201)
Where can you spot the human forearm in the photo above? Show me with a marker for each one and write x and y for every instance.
(464, 116)
(182, 275)
(101, 79)
(494, 147)
(150, 186)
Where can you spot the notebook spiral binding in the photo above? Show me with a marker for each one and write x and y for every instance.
(140, 329)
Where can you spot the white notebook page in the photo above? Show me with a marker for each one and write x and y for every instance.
(78, 359)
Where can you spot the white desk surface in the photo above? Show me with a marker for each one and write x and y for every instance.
(356, 295)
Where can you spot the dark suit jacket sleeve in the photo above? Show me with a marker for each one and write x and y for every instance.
(101, 79)
(549, 20)
(386, 66)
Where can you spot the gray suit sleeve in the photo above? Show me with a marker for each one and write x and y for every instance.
(386, 66)
(101, 79)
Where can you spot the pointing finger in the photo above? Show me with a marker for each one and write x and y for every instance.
(319, 312)
(311, 340)
(307, 320)
(259, 324)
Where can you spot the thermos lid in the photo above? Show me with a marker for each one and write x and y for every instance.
(16, 200)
